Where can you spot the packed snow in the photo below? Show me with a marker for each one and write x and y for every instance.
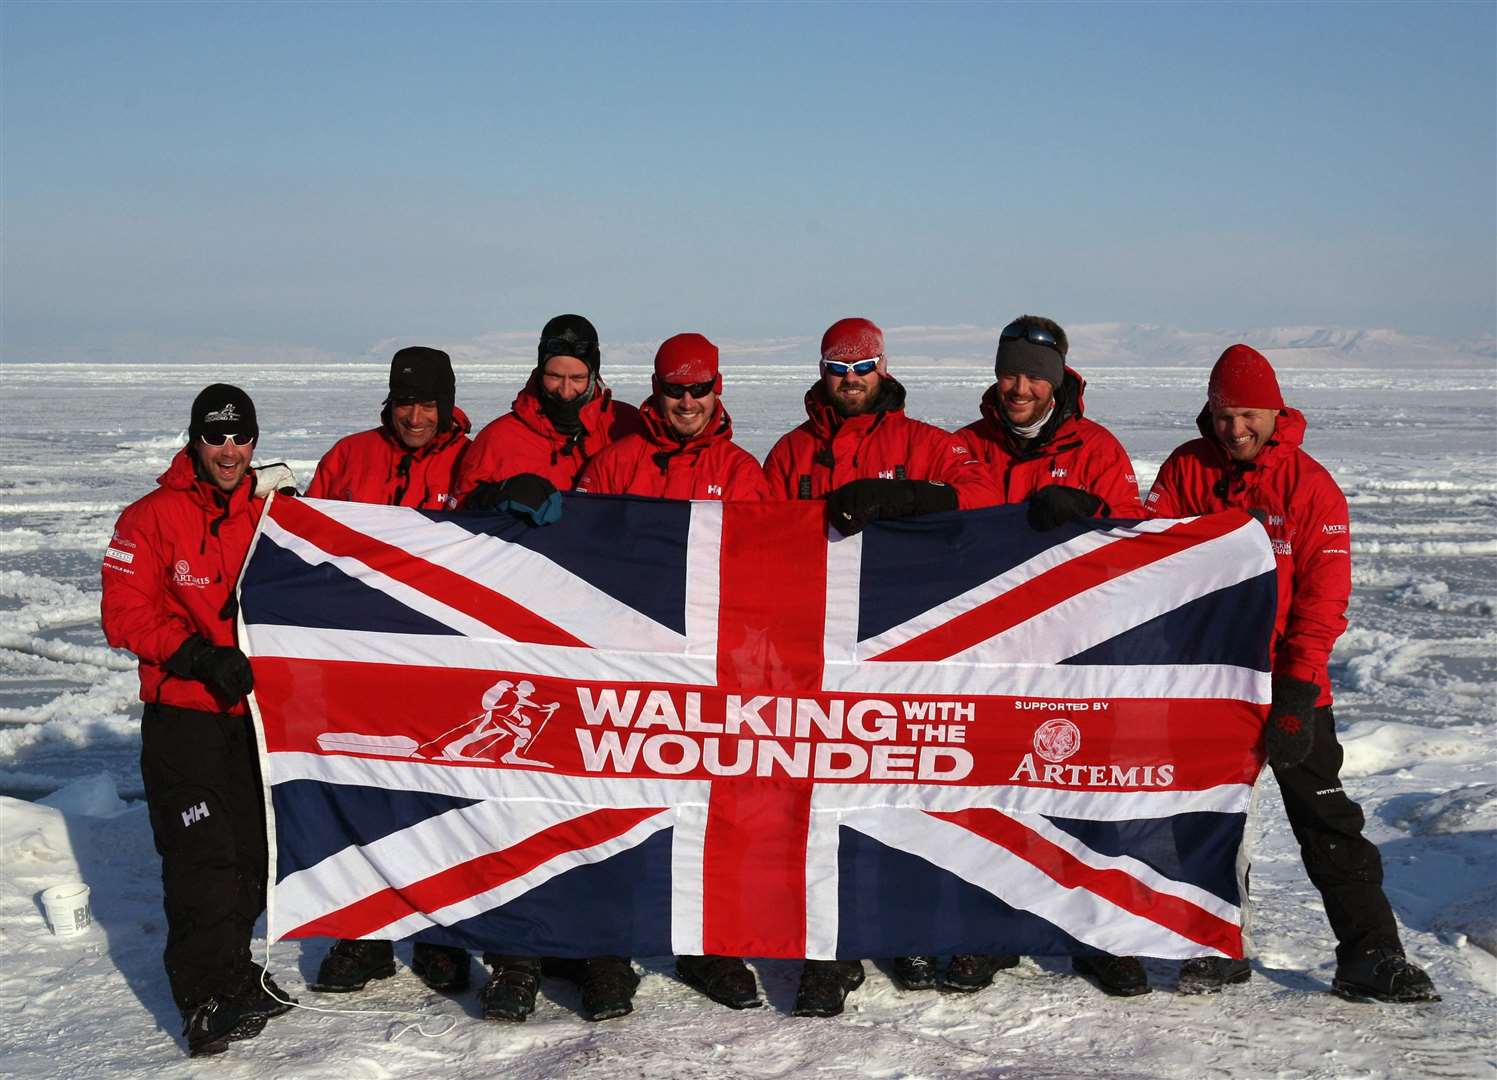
(1408, 427)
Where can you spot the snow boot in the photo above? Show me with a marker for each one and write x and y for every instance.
(1210, 974)
(824, 986)
(913, 972)
(351, 965)
(968, 972)
(443, 968)
(725, 979)
(608, 988)
(510, 992)
(1120, 976)
(211, 1025)
(1383, 975)
(269, 1000)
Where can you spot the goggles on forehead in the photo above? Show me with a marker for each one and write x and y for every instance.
(697, 390)
(857, 367)
(218, 438)
(1014, 331)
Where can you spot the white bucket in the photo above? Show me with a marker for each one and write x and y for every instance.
(67, 908)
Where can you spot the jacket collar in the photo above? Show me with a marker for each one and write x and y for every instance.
(826, 421)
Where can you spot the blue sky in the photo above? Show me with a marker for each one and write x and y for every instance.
(332, 175)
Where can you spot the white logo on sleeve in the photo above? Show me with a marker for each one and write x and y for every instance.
(193, 814)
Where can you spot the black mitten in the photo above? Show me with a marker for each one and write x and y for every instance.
(1289, 731)
(1054, 506)
(222, 668)
(486, 497)
(853, 505)
(533, 496)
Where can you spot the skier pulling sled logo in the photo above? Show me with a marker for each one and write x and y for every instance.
(508, 711)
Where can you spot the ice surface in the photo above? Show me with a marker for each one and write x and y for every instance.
(1409, 428)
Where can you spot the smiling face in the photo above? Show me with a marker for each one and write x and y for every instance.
(225, 465)
(852, 393)
(1024, 399)
(1243, 432)
(415, 423)
(564, 377)
(688, 414)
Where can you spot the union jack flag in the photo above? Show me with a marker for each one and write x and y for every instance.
(668, 727)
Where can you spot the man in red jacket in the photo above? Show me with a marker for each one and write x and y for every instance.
(411, 459)
(858, 449)
(169, 576)
(563, 417)
(686, 451)
(871, 462)
(1249, 457)
(520, 463)
(686, 448)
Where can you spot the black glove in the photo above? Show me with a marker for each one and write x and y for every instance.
(1056, 505)
(222, 668)
(485, 497)
(1289, 732)
(533, 497)
(853, 505)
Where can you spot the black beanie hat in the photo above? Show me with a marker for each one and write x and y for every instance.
(222, 409)
(1020, 354)
(420, 373)
(569, 335)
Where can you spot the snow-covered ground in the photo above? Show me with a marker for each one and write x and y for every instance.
(1414, 445)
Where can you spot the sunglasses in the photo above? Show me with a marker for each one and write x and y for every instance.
(565, 347)
(697, 390)
(218, 438)
(861, 367)
(1013, 332)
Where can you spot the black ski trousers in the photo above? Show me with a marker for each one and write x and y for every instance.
(1340, 861)
(202, 782)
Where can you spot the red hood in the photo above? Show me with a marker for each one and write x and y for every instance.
(527, 407)
(182, 475)
(825, 420)
(1288, 434)
(718, 429)
(1075, 387)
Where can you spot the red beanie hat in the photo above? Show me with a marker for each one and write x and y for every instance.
(1243, 379)
(851, 340)
(686, 359)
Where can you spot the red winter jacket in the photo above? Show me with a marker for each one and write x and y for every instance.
(1307, 523)
(829, 450)
(525, 441)
(655, 462)
(170, 572)
(1070, 450)
(375, 467)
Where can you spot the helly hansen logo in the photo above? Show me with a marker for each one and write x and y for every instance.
(715, 489)
(1058, 470)
(193, 814)
(886, 474)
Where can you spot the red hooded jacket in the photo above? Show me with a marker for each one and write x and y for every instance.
(375, 467)
(1307, 523)
(829, 450)
(1070, 450)
(170, 571)
(524, 440)
(655, 462)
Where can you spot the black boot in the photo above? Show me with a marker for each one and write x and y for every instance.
(212, 1024)
(725, 979)
(269, 999)
(824, 986)
(352, 965)
(1120, 976)
(443, 968)
(608, 987)
(510, 992)
(1383, 975)
(913, 972)
(1209, 974)
(969, 972)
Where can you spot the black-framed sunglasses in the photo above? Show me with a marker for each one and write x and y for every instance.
(1016, 331)
(860, 367)
(218, 438)
(697, 390)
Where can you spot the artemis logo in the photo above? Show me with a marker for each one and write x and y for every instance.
(1333, 530)
(193, 814)
(182, 575)
(227, 414)
(1056, 740)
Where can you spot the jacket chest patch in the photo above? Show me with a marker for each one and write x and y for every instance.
(183, 576)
